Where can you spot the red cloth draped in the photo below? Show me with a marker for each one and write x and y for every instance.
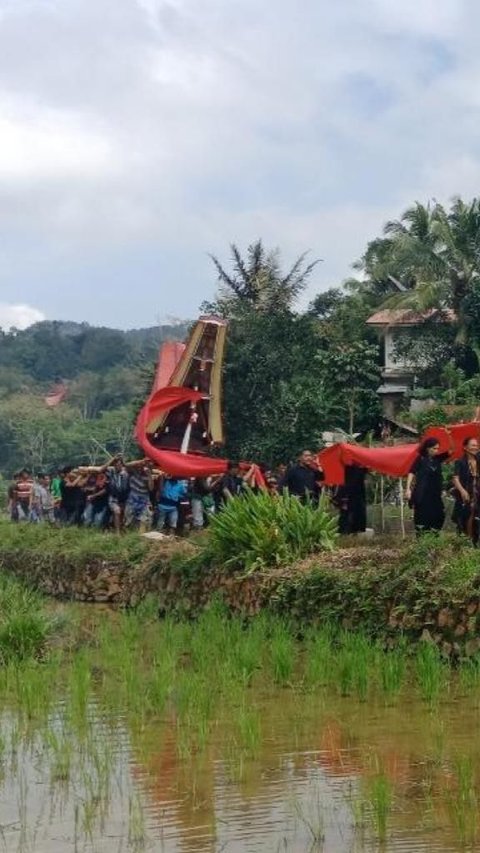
(173, 462)
(183, 465)
(159, 402)
(393, 461)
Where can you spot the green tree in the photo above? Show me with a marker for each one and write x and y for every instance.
(353, 372)
(258, 282)
(432, 256)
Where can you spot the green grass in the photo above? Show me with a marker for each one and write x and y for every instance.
(431, 672)
(463, 802)
(72, 542)
(380, 801)
(25, 626)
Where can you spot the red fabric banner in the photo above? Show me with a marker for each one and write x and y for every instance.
(184, 465)
(159, 402)
(173, 462)
(393, 461)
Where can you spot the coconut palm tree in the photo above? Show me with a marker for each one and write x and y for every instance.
(434, 254)
(258, 282)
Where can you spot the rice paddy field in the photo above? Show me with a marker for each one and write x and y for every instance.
(123, 732)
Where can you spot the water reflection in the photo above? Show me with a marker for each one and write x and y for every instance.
(303, 781)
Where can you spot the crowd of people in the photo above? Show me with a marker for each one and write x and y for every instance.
(126, 495)
(121, 494)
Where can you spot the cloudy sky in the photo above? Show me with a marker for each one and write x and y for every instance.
(137, 136)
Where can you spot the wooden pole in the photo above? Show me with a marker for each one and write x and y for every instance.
(382, 504)
(402, 508)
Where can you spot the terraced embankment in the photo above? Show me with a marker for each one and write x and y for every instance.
(428, 590)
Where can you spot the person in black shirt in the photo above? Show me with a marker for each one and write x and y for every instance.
(425, 487)
(228, 486)
(466, 479)
(73, 499)
(303, 479)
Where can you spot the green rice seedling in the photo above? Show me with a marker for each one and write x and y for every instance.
(22, 801)
(392, 669)
(80, 687)
(345, 670)
(311, 815)
(380, 800)
(245, 654)
(23, 636)
(158, 685)
(250, 735)
(61, 749)
(89, 816)
(469, 676)
(24, 625)
(319, 667)
(363, 662)
(234, 761)
(431, 672)
(357, 803)
(463, 802)
(194, 702)
(282, 654)
(33, 691)
(354, 664)
(137, 835)
(184, 741)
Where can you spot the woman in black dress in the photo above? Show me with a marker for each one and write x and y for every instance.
(425, 486)
(466, 479)
(351, 500)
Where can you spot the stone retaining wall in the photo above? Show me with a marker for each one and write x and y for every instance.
(358, 588)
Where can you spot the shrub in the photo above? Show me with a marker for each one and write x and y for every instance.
(258, 530)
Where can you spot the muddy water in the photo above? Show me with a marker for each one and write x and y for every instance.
(304, 783)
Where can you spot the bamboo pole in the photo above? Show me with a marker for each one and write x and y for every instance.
(375, 504)
(402, 508)
(382, 503)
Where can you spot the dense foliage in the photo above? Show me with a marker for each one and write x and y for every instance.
(290, 376)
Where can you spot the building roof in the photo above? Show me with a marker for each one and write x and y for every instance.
(409, 317)
(392, 389)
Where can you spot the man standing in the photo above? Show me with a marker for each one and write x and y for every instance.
(24, 488)
(171, 492)
(41, 500)
(137, 509)
(304, 479)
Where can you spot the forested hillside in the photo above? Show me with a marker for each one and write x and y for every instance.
(107, 373)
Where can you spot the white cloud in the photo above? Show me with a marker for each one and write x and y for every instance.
(19, 316)
(38, 144)
(164, 129)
